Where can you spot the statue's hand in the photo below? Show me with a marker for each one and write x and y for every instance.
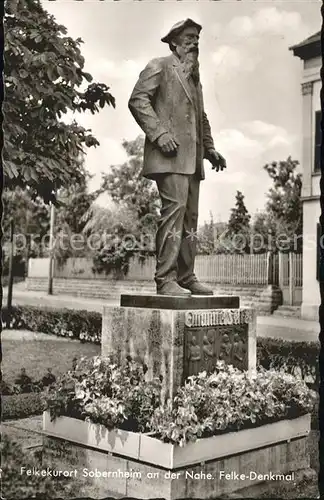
(167, 144)
(216, 159)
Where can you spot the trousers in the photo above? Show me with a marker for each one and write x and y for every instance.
(176, 237)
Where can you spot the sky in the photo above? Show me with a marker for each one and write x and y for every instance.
(251, 82)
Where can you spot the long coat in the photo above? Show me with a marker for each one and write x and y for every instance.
(162, 102)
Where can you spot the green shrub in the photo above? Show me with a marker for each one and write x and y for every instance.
(296, 358)
(229, 400)
(83, 325)
(115, 396)
(225, 401)
(15, 406)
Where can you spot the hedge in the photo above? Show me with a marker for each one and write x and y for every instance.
(297, 358)
(21, 405)
(82, 325)
(280, 354)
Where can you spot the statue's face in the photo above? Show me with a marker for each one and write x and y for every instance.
(187, 41)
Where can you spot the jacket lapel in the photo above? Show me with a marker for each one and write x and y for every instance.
(181, 77)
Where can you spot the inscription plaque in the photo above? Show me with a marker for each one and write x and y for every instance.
(217, 317)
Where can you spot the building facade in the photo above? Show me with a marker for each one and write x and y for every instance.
(309, 51)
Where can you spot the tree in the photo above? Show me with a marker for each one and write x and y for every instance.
(126, 185)
(239, 224)
(44, 79)
(114, 238)
(74, 203)
(206, 237)
(130, 190)
(263, 232)
(284, 204)
(31, 223)
(30, 216)
(132, 223)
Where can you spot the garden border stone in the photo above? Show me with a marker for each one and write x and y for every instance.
(204, 480)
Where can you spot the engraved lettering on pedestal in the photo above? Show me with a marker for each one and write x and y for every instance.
(236, 317)
(189, 319)
(204, 319)
(228, 317)
(246, 316)
(194, 319)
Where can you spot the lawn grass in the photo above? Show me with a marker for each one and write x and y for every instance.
(37, 352)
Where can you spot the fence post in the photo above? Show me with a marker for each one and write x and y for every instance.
(51, 250)
(269, 268)
(280, 270)
(291, 279)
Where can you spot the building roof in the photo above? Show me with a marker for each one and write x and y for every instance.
(309, 48)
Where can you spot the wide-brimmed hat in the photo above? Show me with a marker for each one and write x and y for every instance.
(178, 27)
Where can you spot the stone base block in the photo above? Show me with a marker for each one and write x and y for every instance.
(270, 299)
(98, 475)
(310, 312)
(180, 303)
(178, 343)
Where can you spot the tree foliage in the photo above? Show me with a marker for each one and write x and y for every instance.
(262, 232)
(31, 223)
(114, 233)
(213, 238)
(206, 237)
(126, 185)
(284, 205)
(74, 202)
(240, 218)
(29, 216)
(131, 224)
(44, 80)
(239, 225)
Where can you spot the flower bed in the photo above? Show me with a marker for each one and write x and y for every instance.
(147, 448)
(207, 405)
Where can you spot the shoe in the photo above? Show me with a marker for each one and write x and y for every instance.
(172, 288)
(197, 288)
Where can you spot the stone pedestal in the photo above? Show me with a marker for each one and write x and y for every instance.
(177, 336)
(99, 474)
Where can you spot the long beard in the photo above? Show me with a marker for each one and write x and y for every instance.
(191, 66)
